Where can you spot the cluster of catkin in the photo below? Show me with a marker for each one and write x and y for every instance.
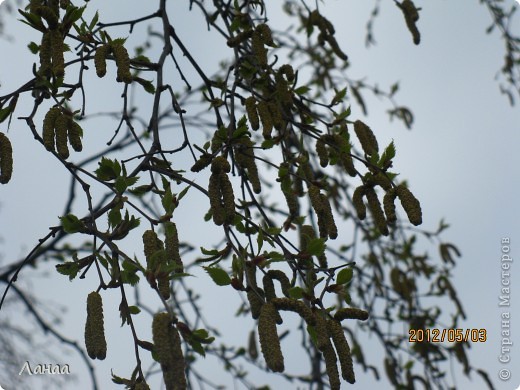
(269, 108)
(95, 341)
(327, 32)
(162, 257)
(245, 159)
(52, 62)
(330, 337)
(59, 129)
(168, 352)
(266, 307)
(321, 205)
(6, 159)
(220, 191)
(409, 202)
(334, 149)
(117, 49)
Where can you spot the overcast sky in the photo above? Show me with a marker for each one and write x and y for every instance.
(461, 159)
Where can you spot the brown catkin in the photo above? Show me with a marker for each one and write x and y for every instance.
(61, 126)
(168, 350)
(259, 51)
(245, 158)
(162, 344)
(228, 197)
(376, 210)
(290, 304)
(265, 33)
(75, 133)
(343, 350)
(202, 162)
(48, 14)
(95, 341)
(45, 54)
(6, 159)
(49, 123)
(357, 201)
(265, 117)
(307, 233)
(321, 151)
(410, 204)
(252, 115)
(163, 285)
(217, 209)
(122, 63)
(283, 92)
(288, 190)
(366, 138)
(389, 206)
(171, 245)
(282, 278)
(288, 71)
(254, 296)
(220, 165)
(269, 340)
(351, 313)
(150, 243)
(268, 287)
(329, 356)
(332, 229)
(276, 115)
(100, 61)
(57, 46)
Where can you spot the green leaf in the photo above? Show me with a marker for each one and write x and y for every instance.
(209, 252)
(33, 20)
(147, 85)
(302, 90)
(72, 224)
(33, 47)
(114, 216)
(296, 292)
(219, 276)
(167, 201)
(339, 96)
(134, 310)
(4, 113)
(181, 194)
(93, 22)
(387, 155)
(345, 275)
(316, 247)
(70, 269)
(197, 347)
(108, 169)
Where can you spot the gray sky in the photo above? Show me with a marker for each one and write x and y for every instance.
(460, 159)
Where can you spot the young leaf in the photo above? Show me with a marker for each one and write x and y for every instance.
(219, 276)
(316, 247)
(345, 275)
(70, 269)
(72, 224)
